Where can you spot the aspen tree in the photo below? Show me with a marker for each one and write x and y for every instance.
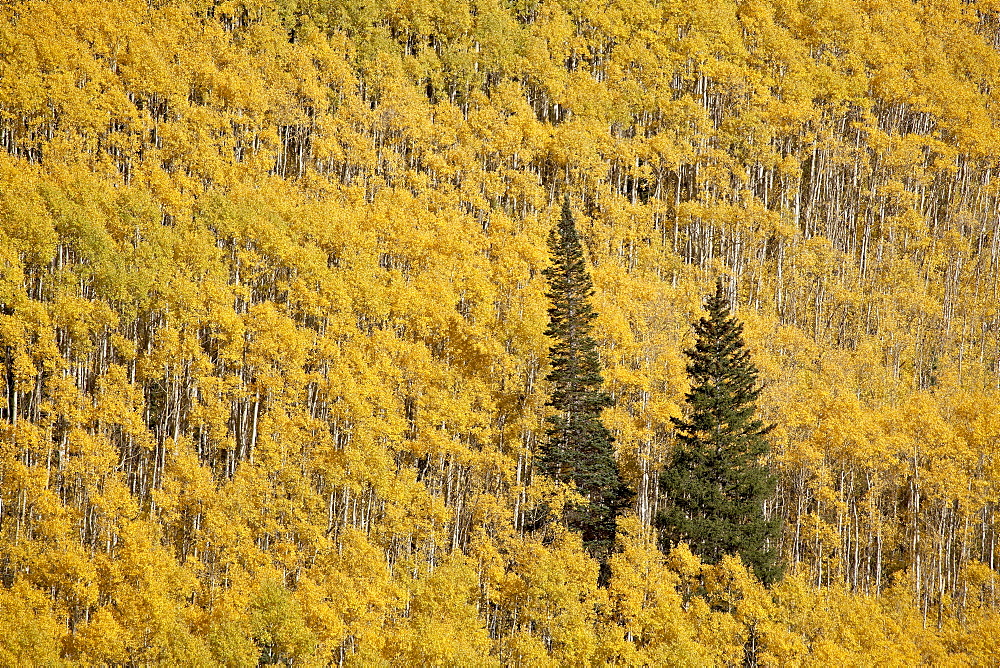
(271, 310)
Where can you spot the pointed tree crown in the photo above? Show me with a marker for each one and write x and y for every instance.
(717, 480)
(578, 447)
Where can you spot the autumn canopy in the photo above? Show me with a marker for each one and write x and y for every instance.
(274, 369)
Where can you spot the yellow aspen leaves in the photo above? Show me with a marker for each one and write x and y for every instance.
(271, 325)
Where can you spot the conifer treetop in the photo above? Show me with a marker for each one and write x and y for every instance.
(717, 481)
(578, 448)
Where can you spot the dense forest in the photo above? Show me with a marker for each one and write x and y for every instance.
(273, 314)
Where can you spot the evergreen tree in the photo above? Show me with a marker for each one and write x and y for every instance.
(716, 483)
(578, 447)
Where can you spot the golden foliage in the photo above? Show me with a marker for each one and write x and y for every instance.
(271, 323)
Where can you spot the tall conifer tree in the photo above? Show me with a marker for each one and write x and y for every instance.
(716, 484)
(578, 447)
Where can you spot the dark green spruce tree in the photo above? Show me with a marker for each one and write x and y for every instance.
(578, 448)
(715, 486)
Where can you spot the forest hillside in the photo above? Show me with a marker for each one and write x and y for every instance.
(272, 320)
